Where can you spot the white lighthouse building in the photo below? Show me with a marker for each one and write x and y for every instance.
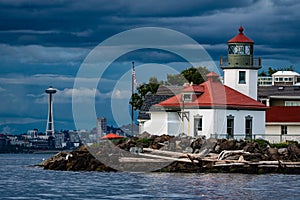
(213, 109)
(240, 68)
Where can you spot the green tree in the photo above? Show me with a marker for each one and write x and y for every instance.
(176, 79)
(195, 75)
(137, 98)
(262, 73)
(153, 80)
(271, 71)
(274, 70)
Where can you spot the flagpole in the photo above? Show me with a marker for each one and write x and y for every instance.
(132, 92)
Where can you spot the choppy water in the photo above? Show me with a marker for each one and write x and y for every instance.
(19, 181)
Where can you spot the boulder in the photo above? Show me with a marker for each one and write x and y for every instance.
(252, 147)
(144, 135)
(294, 152)
(227, 145)
(197, 144)
(273, 154)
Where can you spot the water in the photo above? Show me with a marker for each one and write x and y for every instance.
(20, 181)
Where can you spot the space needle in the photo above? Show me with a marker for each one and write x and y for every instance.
(50, 122)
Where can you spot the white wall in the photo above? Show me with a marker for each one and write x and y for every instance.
(174, 124)
(215, 121)
(273, 133)
(207, 121)
(231, 79)
(157, 125)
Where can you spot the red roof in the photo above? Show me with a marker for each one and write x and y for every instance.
(193, 88)
(111, 136)
(215, 94)
(240, 38)
(283, 114)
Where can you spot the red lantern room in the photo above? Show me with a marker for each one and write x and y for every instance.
(240, 68)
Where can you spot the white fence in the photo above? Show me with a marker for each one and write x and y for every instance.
(272, 138)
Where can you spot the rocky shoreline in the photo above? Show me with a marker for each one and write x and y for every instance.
(180, 154)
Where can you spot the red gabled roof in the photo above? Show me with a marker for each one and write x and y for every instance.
(193, 88)
(240, 38)
(283, 114)
(216, 94)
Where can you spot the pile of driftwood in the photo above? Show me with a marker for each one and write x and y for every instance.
(213, 162)
(179, 154)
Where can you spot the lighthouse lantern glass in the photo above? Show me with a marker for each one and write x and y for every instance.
(239, 49)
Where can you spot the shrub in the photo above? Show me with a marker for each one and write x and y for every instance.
(262, 143)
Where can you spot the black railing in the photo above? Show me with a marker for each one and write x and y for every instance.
(255, 63)
(269, 137)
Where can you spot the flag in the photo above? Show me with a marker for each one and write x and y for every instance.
(134, 76)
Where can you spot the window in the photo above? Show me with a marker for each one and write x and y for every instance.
(231, 49)
(276, 79)
(187, 97)
(197, 124)
(248, 127)
(230, 126)
(242, 77)
(283, 129)
(248, 50)
(200, 125)
(292, 103)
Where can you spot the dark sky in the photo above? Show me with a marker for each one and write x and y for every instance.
(44, 43)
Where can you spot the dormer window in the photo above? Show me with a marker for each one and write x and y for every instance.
(187, 97)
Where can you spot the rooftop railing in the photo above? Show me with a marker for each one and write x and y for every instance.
(255, 63)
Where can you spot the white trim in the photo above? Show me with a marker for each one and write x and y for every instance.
(283, 123)
(286, 97)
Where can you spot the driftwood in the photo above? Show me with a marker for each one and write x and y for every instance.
(153, 158)
(227, 153)
(140, 160)
(169, 153)
(167, 158)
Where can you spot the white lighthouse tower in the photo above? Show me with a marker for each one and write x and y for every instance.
(50, 122)
(240, 69)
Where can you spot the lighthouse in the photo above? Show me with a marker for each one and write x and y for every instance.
(240, 68)
(50, 123)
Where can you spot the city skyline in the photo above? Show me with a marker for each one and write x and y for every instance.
(44, 43)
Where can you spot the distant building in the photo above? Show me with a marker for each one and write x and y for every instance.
(32, 133)
(101, 126)
(59, 140)
(50, 123)
(280, 78)
(282, 116)
(283, 123)
(284, 78)
(279, 95)
(265, 80)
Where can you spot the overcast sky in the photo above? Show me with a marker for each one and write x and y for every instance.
(44, 43)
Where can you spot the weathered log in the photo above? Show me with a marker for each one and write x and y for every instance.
(140, 160)
(226, 153)
(169, 153)
(167, 158)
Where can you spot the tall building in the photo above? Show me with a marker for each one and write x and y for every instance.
(50, 123)
(240, 68)
(101, 125)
